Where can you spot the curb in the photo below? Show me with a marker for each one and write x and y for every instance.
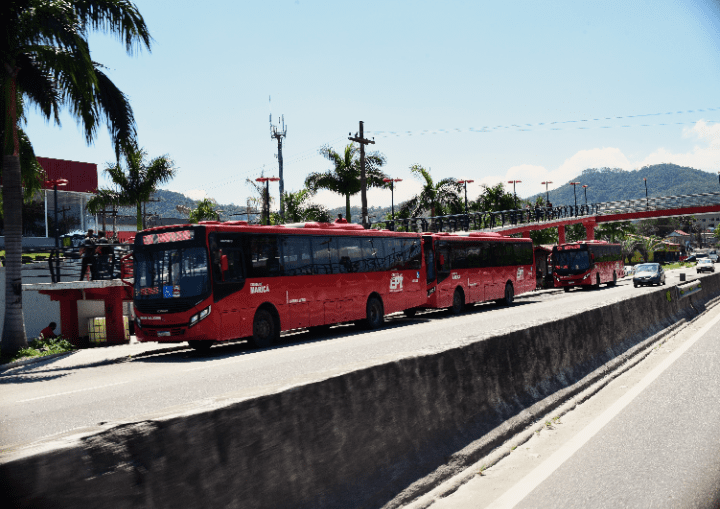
(125, 358)
(33, 360)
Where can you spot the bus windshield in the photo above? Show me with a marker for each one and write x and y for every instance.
(171, 273)
(571, 262)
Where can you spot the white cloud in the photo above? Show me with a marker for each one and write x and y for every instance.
(196, 194)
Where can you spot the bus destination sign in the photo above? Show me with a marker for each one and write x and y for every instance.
(175, 236)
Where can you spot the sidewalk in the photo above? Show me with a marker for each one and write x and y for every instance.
(97, 356)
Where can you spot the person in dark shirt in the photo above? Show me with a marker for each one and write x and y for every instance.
(103, 251)
(87, 251)
(49, 331)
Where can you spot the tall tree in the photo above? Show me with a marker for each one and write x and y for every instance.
(437, 198)
(205, 211)
(103, 199)
(493, 199)
(344, 178)
(298, 208)
(141, 178)
(46, 62)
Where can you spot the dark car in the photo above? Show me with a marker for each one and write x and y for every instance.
(649, 274)
(690, 258)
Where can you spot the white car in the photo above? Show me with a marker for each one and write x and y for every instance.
(705, 265)
(629, 270)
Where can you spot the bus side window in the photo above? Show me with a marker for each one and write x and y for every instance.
(373, 254)
(459, 256)
(234, 273)
(443, 260)
(264, 257)
(322, 248)
(297, 255)
(473, 256)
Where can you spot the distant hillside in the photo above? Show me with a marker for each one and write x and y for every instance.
(612, 184)
(605, 184)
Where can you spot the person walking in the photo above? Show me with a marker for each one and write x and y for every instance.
(87, 251)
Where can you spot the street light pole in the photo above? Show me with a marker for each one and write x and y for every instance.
(55, 183)
(392, 198)
(585, 189)
(547, 193)
(647, 203)
(513, 182)
(575, 194)
(465, 183)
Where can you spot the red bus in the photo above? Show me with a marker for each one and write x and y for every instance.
(221, 281)
(587, 263)
(476, 267)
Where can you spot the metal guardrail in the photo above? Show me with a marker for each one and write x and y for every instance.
(489, 221)
(64, 264)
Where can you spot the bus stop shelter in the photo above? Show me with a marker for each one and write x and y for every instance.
(112, 292)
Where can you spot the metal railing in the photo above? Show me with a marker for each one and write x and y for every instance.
(64, 264)
(489, 221)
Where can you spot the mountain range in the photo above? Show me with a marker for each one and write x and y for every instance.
(604, 184)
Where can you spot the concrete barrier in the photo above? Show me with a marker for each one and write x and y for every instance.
(355, 440)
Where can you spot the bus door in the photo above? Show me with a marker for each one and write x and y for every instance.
(489, 272)
(475, 282)
(429, 254)
(444, 283)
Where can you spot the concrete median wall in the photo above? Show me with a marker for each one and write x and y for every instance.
(355, 440)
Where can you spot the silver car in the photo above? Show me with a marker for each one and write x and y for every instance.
(649, 274)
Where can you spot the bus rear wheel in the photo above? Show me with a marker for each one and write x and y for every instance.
(200, 345)
(265, 330)
(374, 313)
(509, 295)
(458, 302)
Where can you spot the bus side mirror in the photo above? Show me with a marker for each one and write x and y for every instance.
(224, 266)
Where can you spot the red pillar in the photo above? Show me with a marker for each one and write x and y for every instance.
(69, 320)
(561, 234)
(114, 325)
(590, 230)
(526, 234)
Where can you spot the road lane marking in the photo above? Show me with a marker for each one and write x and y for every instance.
(521, 489)
(72, 392)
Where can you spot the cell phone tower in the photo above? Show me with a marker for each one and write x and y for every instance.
(279, 132)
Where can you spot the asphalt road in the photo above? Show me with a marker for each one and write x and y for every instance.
(648, 439)
(60, 397)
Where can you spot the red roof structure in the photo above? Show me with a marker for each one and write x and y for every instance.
(81, 177)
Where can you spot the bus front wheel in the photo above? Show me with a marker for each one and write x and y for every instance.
(265, 330)
(374, 313)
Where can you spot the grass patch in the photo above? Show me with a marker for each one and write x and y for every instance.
(678, 265)
(40, 348)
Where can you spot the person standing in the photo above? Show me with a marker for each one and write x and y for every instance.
(102, 251)
(87, 251)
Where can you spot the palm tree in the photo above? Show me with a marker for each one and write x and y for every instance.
(204, 212)
(298, 208)
(344, 178)
(140, 179)
(46, 62)
(436, 197)
(104, 198)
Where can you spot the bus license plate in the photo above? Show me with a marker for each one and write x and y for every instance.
(164, 333)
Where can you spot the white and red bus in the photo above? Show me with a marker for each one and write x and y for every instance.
(587, 263)
(221, 281)
(476, 267)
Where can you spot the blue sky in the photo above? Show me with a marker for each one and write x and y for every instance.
(489, 91)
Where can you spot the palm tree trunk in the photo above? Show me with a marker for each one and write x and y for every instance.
(347, 207)
(13, 336)
(139, 217)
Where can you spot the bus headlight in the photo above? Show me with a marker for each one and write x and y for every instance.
(199, 316)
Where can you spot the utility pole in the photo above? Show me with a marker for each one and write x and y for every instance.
(363, 181)
(279, 134)
(144, 212)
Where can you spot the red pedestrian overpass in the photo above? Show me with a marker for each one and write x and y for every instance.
(524, 221)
